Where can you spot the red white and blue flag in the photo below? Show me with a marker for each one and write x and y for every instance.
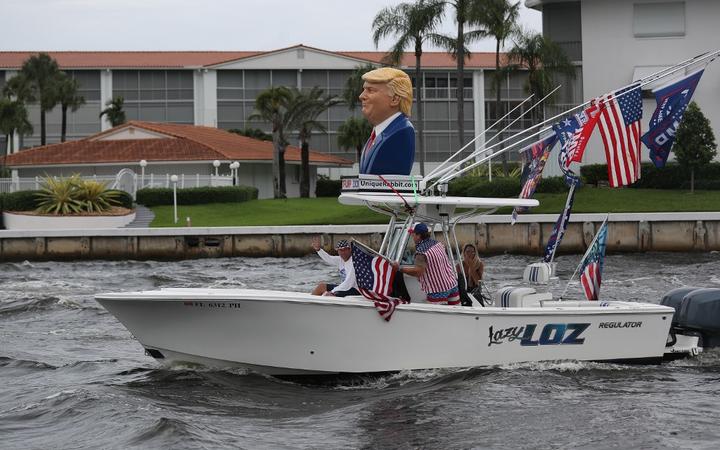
(560, 226)
(592, 264)
(672, 100)
(619, 124)
(375, 276)
(440, 275)
(534, 158)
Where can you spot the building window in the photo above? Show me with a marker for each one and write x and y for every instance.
(659, 19)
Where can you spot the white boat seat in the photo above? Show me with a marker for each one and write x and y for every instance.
(519, 297)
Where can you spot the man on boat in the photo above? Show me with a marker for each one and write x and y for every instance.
(344, 263)
(386, 103)
(437, 276)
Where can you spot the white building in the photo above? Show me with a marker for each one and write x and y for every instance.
(618, 41)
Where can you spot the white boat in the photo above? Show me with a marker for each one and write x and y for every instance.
(290, 333)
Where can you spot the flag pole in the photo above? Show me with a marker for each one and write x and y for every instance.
(589, 249)
(447, 170)
(642, 82)
(567, 204)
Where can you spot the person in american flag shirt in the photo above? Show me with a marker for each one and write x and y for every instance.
(437, 276)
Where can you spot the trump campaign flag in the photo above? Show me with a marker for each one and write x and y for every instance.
(560, 225)
(566, 131)
(375, 276)
(534, 158)
(672, 100)
(619, 124)
(592, 264)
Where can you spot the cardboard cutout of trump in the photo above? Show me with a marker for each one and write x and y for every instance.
(387, 103)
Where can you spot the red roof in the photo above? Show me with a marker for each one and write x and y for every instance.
(194, 59)
(183, 143)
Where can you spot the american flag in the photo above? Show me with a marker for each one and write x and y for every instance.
(534, 158)
(619, 125)
(592, 265)
(565, 132)
(440, 275)
(375, 276)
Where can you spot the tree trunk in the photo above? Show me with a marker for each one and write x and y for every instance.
(418, 88)
(276, 164)
(498, 105)
(461, 81)
(359, 154)
(692, 180)
(281, 172)
(305, 169)
(43, 139)
(63, 126)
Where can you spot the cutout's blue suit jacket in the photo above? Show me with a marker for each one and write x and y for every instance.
(393, 152)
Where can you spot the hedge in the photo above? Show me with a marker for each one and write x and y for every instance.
(125, 199)
(325, 187)
(197, 196)
(501, 187)
(20, 201)
(672, 176)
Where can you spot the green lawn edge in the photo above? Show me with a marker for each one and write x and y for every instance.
(327, 211)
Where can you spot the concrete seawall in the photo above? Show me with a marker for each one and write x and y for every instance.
(667, 232)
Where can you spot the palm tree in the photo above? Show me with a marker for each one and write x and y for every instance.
(499, 18)
(42, 72)
(20, 91)
(13, 119)
(353, 133)
(543, 59)
(114, 111)
(412, 24)
(273, 105)
(305, 107)
(465, 14)
(354, 86)
(68, 97)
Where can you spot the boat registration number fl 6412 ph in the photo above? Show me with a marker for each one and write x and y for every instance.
(551, 334)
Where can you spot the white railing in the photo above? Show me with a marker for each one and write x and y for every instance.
(150, 180)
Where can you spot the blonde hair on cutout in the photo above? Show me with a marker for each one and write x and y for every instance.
(398, 82)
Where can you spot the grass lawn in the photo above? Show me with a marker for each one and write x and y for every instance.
(327, 211)
(295, 211)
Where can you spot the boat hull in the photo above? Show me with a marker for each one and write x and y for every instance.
(283, 333)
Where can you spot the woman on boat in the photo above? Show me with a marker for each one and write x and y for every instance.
(473, 267)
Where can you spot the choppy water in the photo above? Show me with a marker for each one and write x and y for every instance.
(72, 377)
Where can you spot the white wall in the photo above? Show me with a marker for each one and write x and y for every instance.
(611, 52)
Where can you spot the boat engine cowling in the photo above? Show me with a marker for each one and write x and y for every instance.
(698, 311)
(674, 298)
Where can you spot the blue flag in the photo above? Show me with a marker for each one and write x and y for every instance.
(534, 158)
(672, 100)
(560, 227)
(566, 131)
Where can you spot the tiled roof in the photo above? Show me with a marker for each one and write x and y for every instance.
(184, 143)
(168, 59)
(89, 60)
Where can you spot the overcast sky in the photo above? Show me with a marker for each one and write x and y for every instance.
(200, 24)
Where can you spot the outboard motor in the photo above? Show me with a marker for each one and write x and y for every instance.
(697, 314)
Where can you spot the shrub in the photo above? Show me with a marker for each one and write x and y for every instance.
(124, 199)
(552, 185)
(21, 201)
(499, 187)
(74, 195)
(325, 187)
(197, 196)
(594, 174)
